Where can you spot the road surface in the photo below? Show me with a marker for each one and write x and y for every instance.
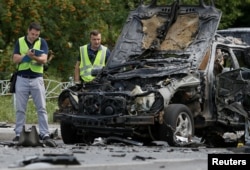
(115, 156)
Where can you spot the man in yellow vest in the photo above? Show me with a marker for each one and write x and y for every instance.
(92, 55)
(30, 53)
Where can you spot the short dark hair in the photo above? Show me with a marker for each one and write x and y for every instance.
(35, 25)
(94, 32)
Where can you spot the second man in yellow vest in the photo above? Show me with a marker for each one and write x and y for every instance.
(92, 55)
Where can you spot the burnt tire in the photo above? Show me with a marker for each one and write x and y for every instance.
(69, 133)
(178, 124)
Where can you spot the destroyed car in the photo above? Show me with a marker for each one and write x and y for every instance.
(170, 77)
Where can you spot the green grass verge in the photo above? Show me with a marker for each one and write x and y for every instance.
(7, 111)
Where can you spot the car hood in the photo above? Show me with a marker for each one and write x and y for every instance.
(172, 34)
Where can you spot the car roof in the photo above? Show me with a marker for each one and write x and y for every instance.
(242, 33)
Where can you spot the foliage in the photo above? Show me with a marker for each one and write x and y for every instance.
(67, 23)
(244, 19)
(66, 26)
(228, 17)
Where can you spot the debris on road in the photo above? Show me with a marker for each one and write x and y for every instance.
(53, 159)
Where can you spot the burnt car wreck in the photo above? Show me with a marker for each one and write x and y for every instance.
(170, 77)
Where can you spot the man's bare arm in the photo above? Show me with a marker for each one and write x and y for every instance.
(77, 72)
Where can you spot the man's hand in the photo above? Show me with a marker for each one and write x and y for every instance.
(26, 58)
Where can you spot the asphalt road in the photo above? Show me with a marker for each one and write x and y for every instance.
(115, 156)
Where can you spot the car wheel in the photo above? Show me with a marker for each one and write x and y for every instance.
(178, 125)
(69, 133)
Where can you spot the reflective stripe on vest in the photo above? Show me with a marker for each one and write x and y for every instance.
(33, 65)
(86, 65)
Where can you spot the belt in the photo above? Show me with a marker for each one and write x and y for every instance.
(27, 76)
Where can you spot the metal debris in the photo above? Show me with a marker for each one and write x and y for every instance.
(29, 137)
(52, 159)
(142, 158)
(113, 139)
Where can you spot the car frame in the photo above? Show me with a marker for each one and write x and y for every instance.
(161, 83)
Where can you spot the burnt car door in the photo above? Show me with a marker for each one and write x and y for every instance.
(233, 88)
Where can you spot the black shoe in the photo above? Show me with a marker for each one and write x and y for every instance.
(46, 138)
(49, 142)
(16, 139)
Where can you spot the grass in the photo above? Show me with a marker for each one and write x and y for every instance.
(7, 111)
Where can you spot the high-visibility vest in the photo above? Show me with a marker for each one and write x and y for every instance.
(86, 66)
(33, 65)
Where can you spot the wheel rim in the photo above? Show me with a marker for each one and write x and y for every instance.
(183, 126)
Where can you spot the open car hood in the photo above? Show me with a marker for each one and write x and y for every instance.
(159, 32)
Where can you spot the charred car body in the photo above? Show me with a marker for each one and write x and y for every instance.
(163, 81)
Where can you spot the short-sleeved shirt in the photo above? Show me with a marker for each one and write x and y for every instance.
(92, 54)
(44, 47)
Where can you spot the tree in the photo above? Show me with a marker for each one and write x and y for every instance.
(66, 26)
(67, 23)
